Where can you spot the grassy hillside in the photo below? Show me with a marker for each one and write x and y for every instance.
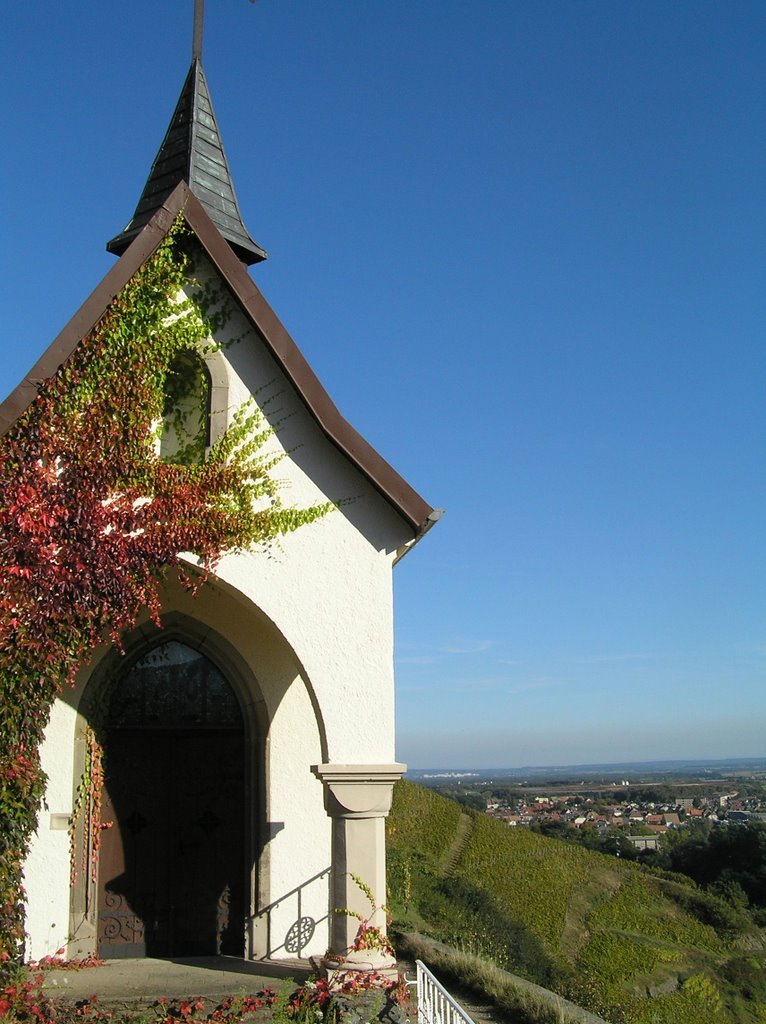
(632, 946)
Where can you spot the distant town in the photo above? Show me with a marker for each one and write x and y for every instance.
(598, 802)
(642, 821)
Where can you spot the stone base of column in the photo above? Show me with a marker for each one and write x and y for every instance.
(379, 968)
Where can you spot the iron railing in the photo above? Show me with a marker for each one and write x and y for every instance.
(435, 1004)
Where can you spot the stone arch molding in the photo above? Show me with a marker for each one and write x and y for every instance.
(270, 698)
(215, 621)
(234, 598)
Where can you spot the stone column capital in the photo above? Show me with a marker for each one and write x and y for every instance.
(358, 790)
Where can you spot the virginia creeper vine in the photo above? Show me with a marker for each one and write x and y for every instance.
(92, 519)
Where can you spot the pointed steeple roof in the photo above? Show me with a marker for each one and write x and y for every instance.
(192, 151)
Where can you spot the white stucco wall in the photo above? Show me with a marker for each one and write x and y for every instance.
(298, 858)
(329, 587)
(310, 620)
(47, 868)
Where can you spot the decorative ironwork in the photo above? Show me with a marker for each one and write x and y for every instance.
(173, 687)
(299, 935)
(119, 925)
(222, 918)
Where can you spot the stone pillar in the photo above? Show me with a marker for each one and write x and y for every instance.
(357, 798)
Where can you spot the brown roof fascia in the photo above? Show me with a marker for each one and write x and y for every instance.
(394, 488)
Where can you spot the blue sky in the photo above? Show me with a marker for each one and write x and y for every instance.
(522, 245)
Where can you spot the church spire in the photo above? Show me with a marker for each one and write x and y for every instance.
(192, 151)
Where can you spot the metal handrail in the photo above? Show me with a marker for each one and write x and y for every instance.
(435, 1004)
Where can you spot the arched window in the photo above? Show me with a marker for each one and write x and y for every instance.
(173, 687)
(186, 413)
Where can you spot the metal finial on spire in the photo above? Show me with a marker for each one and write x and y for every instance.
(199, 16)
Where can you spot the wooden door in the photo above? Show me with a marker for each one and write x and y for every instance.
(171, 868)
(172, 864)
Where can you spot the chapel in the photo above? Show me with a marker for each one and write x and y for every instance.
(249, 742)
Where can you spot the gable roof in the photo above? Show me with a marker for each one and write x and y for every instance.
(192, 151)
(383, 477)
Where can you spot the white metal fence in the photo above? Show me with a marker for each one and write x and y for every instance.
(435, 1004)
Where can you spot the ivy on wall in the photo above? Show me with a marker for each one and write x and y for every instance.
(92, 518)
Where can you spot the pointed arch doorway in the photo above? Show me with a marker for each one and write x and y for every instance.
(172, 863)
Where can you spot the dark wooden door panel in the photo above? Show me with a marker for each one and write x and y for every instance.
(172, 862)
